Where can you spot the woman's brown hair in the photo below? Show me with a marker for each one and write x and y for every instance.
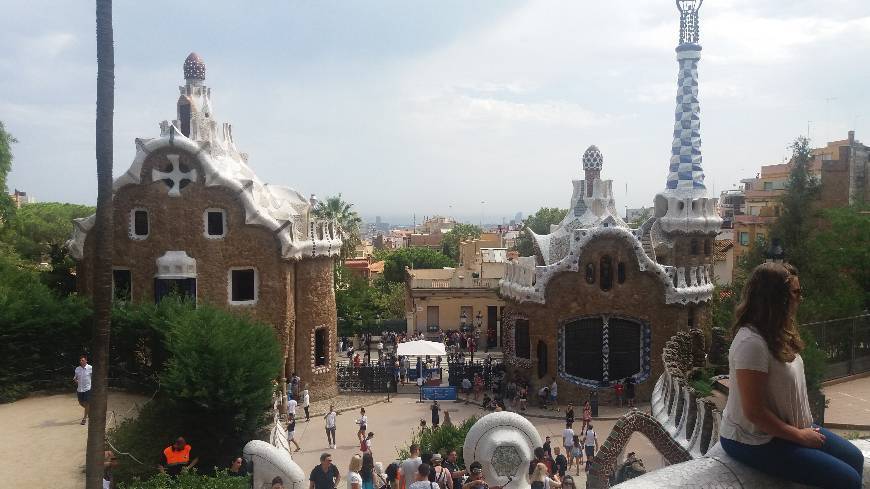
(764, 304)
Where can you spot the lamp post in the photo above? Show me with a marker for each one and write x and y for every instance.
(478, 322)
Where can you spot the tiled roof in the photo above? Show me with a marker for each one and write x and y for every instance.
(721, 247)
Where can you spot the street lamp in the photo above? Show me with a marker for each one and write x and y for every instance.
(478, 322)
(463, 320)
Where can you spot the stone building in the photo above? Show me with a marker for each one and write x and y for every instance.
(599, 299)
(190, 216)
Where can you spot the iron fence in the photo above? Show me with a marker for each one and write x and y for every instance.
(365, 378)
(491, 370)
(845, 343)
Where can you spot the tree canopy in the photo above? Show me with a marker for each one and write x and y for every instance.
(460, 232)
(35, 228)
(397, 260)
(539, 223)
(6, 141)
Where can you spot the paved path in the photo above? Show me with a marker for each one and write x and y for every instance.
(849, 402)
(43, 443)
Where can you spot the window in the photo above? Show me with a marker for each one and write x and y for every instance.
(690, 321)
(432, 318)
(215, 223)
(184, 288)
(139, 225)
(586, 363)
(122, 285)
(768, 185)
(606, 281)
(620, 272)
(243, 286)
(522, 344)
(590, 273)
(708, 247)
(744, 238)
(321, 339)
(693, 247)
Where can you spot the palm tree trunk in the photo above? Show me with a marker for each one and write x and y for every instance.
(102, 279)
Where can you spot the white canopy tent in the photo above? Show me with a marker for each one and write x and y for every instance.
(421, 348)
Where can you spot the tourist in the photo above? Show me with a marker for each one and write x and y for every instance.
(590, 443)
(325, 475)
(466, 388)
(617, 391)
(548, 447)
(436, 413)
(357, 361)
(362, 421)
(291, 429)
(767, 423)
(277, 483)
(524, 397)
(560, 462)
(406, 366)
(366, 444)
(110, 461)
(629, 392)
(371, 479)
(306, 404)
(409, 466)
(421, 478)
(631, 468)
(544, 396)
(568, 438)
(330, 426)
(569, 414)
(587, 415)
(478, 386)
(237, 468)
(540, 458)
(554, 394)
(540, 478)
(452, 464)
(420, 383)
(443, 477)
(568, 482)
(291, 407)
(354, 480)
(177, 457)
(447, 422)
(475, 478)
(392, 476)
(82, 379)
(576, 454)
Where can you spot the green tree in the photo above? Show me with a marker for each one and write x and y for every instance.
(336, 209)
(539, 223)
(642, 218)
(36, 228)
(397, 260)
(6, 141)
(797, 218)
(460, 232)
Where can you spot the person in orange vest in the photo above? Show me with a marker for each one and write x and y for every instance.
(177, 457)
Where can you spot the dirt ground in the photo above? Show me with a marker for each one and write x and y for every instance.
(43, 442)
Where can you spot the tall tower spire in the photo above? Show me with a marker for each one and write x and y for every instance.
(686, 176)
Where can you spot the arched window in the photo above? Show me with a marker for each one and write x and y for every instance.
(590, 273)
(522, 344)
(542, 359)
(708, 247)
(581, 357)
(606, 269)
(693, 247)
(620, 272)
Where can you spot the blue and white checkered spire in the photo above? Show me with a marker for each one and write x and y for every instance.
(685, 169)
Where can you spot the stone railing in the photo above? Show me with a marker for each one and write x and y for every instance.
(455, 283)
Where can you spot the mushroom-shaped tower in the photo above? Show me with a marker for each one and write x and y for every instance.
(194, 67)
(593, 160)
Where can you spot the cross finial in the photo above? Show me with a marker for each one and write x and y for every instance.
(689, 27)
(175, 177)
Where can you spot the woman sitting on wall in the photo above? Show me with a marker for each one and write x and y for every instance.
(767, 423)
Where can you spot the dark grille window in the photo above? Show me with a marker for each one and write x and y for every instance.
(582, 348)
(321, 337)
(215, 223)
(140, 223)
(590, 273)
(693, 247)
(624, 339)
(620, 272)
(121, 283)
(606, 282)
(243, 287)
(522, 344)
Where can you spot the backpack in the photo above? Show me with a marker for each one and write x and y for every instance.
(441, 478)
(538, 485)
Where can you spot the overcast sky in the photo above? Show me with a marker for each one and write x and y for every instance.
(432, 107)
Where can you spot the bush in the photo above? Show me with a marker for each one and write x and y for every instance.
(41, 334)
(191, 480)
(215, 390)
(441, 440)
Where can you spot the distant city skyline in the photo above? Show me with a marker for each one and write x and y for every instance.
(432, 109)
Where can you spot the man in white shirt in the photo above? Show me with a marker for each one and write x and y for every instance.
(568, 438)
(410, 465)
(330, 426)
(291, 406)
(82, 379)
(306, 403)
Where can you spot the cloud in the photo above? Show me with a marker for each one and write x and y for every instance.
(48, 46)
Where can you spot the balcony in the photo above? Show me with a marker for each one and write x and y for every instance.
(455, 283)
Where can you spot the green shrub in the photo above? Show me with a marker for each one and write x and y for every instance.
(191, 480)
(41, 333)
(441, 440)
(214, 390)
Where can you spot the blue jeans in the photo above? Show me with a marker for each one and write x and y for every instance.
(838, 464)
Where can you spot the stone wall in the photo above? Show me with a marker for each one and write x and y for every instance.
(315, 309)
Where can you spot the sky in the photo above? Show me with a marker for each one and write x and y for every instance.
(477, 110)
